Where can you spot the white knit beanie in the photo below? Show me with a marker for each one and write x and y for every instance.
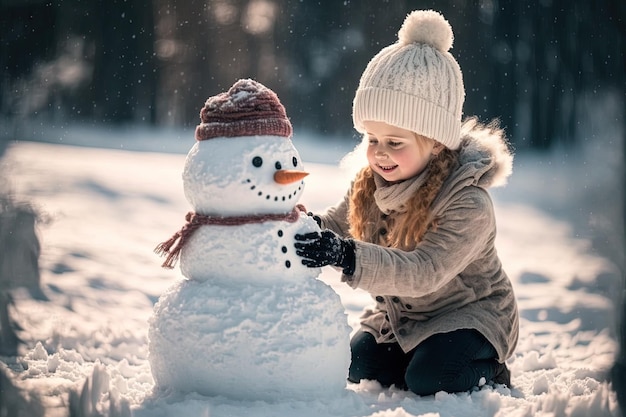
(415, 83)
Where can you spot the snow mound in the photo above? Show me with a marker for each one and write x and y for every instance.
(250, 342)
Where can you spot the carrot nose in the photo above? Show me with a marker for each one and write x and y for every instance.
(287, 176)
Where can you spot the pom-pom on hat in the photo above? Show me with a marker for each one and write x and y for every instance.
(415, 83)
(248, 108)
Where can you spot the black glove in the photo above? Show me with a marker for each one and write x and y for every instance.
(326, 248)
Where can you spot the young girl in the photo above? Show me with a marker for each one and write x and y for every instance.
(417, 228)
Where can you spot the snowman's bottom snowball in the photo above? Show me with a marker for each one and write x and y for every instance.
(250, 342)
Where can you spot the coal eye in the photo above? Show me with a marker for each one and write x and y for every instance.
(295, 161)
(257, 161)
(278, 165)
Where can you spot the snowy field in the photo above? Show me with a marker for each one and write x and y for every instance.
(104, 210)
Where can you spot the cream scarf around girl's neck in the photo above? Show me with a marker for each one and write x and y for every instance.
(393, 196)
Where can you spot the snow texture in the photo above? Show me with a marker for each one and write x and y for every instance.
(251, 342)
(259, 253)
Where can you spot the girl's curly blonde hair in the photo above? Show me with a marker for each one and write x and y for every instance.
(408, 228)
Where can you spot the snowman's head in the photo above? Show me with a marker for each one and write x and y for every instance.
(243, 176)
(244, 161)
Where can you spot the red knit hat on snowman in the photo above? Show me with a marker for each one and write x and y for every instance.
(248, 108)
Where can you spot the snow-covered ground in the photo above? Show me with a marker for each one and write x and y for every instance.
(105, 209)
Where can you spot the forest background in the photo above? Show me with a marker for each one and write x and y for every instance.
(532, 64)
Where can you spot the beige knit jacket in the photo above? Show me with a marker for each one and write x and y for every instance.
(453, 279)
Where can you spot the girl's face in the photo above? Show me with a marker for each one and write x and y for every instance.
(397, 154)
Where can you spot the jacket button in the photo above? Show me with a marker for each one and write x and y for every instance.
(384, 331)
(395, 299)
(382, 232)
(402, 332)
(404, 320)
(380, 299)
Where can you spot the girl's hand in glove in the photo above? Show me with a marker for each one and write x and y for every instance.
(326, 248)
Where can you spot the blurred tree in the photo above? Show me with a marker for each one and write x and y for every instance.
(184, 51)
(327, 47)
(85, 60)
(321, 49)
(26, 39)
(546, 56)
(205, 46)
(124, 87)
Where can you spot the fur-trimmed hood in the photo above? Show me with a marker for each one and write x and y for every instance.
(485, 155)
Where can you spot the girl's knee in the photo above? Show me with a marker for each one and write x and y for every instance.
(361, 349)
(424, 381)
(385, 363)
(430, 374)
(428, 378)
(362, 342)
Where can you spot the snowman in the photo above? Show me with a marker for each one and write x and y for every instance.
(248, 321)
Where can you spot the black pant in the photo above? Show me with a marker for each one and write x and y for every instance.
(451, 362)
